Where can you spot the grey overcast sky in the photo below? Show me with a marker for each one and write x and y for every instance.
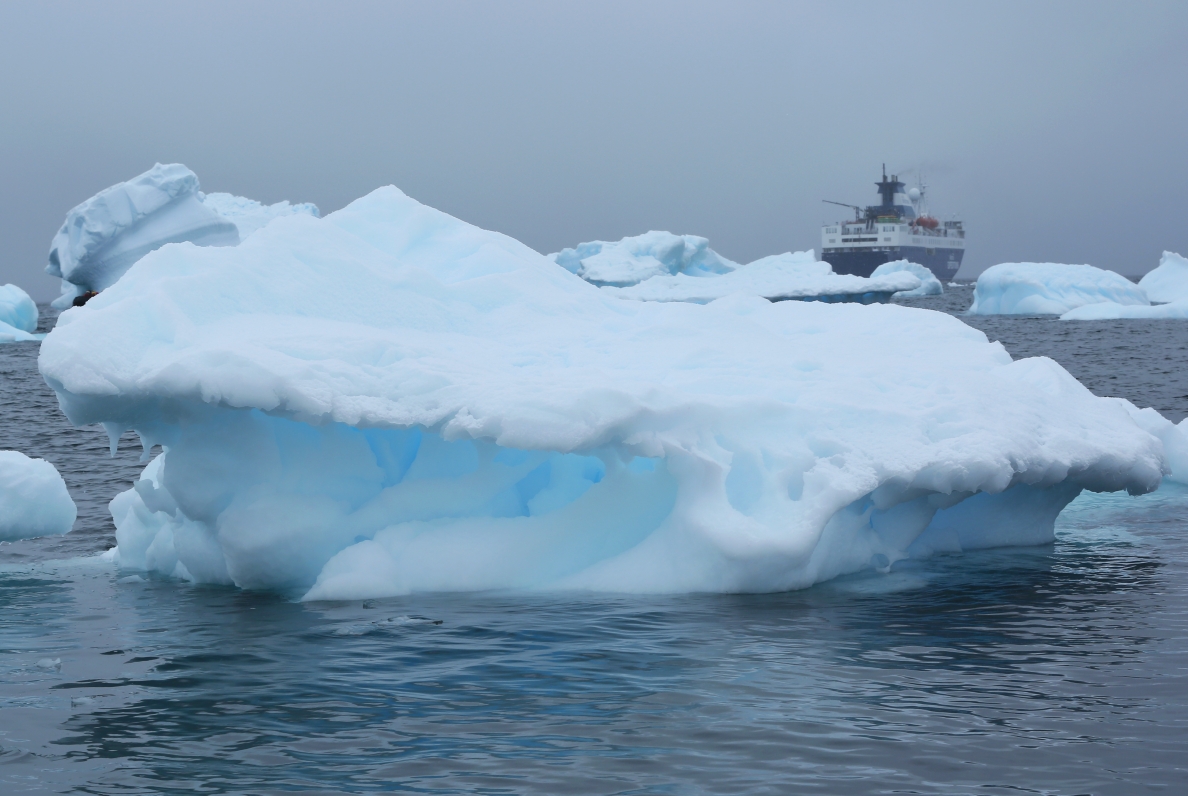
(1058, 131)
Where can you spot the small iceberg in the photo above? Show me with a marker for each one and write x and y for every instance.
(929, 284)
(34, 500)
(780, 277)
(661, 266)
(633, 260)
(389, 400)
(102, 237)
(1050, 289)
(18, 316)
(1166, 283)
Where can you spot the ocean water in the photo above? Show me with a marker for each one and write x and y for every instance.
(1060, 669)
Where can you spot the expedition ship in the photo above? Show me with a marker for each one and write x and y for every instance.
(897, 229)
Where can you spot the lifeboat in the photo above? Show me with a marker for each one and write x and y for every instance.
(928, 222)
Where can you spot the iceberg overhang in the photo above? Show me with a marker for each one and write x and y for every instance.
(390, 400)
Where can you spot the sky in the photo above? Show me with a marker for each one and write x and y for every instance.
(1055, 130)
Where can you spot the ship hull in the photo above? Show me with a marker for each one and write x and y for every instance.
(942, 262)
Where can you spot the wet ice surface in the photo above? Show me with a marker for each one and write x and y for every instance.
(1059, 669)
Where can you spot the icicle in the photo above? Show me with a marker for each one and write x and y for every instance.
(114, 431)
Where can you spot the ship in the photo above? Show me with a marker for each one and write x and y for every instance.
(898, 228)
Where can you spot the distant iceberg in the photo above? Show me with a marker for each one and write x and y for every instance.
(18, 316)
(776, 278)
(632, 260)
(929, 284)
(389, 400)
(1166, 283)
(660, 266)
(1050, 289)
(102, 237)
(33, 498)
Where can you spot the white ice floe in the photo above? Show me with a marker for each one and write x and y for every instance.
(776, 278)
(18, 315)
(929, 284)
(1049, 289)
(33, 498)
(390, 400)
(632, 260)
(102, 237)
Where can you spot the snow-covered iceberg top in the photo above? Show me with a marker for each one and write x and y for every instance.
(33, 498)
(929, 284)
(390, 400)
(632, 260)
(102, 237)
(1168, 282)
(18, 315)
(776, 278)
(1049, 289)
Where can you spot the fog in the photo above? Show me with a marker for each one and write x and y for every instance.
(1055, 131)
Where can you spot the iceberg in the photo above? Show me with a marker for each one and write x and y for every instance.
(929, 284)
(776, 278)
(1049, 289)
(1168, 282)
(388, 400)
(18, 315)
(34, 500)
(632, 260)
(102, 237)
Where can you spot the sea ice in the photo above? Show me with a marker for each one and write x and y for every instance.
(102, 237)
(389, 400)
(632, 260)
(18, 315)
(929, 284)
(779, 277)
(33, 498)
(1049, 289)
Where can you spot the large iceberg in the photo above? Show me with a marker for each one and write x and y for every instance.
(102, 237)
(929, 284)
(389, 400)
(776, 278)
(33, 498)
(18, 315)
(632, 260)
(1049, 289)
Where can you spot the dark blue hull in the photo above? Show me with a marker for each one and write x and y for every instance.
(942, 262)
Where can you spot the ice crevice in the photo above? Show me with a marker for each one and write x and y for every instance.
(389, 400)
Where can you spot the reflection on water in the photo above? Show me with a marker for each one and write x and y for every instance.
(1053, 669)
(1059, 669)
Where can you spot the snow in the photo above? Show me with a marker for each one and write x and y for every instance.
(389, 400)
(18, 315)
(1169, 281)
(929, 284)
(33, 498)
(1049, 289)
(102, 237)
(781, 276)
(632, 260)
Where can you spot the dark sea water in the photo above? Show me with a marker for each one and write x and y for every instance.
(1060, 669)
